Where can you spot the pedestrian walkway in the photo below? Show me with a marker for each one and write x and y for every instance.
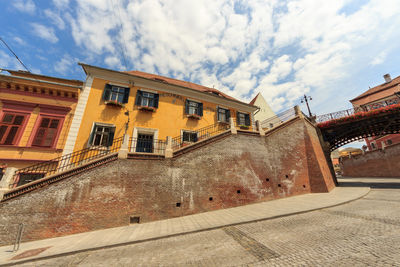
(107, 238)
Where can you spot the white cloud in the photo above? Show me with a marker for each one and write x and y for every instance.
(44, 32)
(19, 41)
(282, 49)
(9, 62)
(55, 18)
(61, 3)
(27, 6)
(379, 59)
(65, 64)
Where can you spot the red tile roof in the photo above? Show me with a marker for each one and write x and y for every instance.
(254, 99)
(180, 83)
(379, 88)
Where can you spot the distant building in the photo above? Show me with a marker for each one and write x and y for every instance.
(379, 96)
(265, 111)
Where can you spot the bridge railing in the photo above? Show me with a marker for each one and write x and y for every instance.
(339, 114)
(278, 118)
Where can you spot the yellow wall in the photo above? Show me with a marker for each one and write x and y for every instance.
(169, 118)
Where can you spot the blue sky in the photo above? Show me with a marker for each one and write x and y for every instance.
(331, 50)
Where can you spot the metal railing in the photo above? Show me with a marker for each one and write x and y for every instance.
(278, 118)
(200, 134)
(147, 145)
(63, 163)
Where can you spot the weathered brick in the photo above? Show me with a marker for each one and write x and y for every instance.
(237, 170)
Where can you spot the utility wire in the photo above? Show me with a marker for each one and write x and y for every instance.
(123, 46)
(4, 42)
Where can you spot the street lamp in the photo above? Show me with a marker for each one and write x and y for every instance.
(306, 99)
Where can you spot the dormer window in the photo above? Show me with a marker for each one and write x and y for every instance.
(115, 94)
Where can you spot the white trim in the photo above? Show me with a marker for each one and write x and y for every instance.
(141, 130)
(78, 115)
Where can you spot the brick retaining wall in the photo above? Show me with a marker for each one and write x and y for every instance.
(236, 170)
(377, 163)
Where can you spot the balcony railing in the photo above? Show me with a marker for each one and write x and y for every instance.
(154, 146)
(63, 163)
(201, 134)
(278, 118)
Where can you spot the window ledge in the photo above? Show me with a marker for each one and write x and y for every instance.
(99, 148)
(145, 108)
(193, 116)
(223, 122)
(114, 103)
(34, 147)
(245, 127)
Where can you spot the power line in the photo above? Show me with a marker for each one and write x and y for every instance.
(4, 42)
(123, 46)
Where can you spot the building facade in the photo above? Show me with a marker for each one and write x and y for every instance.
(36, 112)
(379, 96)
(148, 108)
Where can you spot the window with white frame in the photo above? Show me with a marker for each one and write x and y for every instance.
(102, 135)
(116, 94)
(194, 108)
(188, 136)
(147, 99)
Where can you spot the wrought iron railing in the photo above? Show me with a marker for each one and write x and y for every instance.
(339, 114)
(147, 145)
(278, 118)
(63, 163)
(200, 134)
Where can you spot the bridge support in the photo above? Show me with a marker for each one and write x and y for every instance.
(327, 152)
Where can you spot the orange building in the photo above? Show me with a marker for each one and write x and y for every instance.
(36, 112)
(379, 96)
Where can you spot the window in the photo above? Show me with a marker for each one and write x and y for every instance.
(146, 99)
(243, 119)
(1, 173)
(102, 135)
(116, 94)
(194, 108)
(10, 126)
(47, 132)
(389, 142)
(189, 136)
(223, 114)
(373, 145)
(145, 143)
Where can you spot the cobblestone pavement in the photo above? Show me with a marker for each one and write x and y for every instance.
(363, 232)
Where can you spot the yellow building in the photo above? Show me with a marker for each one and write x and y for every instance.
(148, 108)
(36, 112)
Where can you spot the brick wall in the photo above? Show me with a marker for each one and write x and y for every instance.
(236, 170)
(377, 163)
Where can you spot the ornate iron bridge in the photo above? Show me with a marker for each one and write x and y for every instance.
(350, 125)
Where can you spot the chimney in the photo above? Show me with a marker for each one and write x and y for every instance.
(387, 78)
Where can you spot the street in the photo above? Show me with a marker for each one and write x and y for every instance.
(360, 233)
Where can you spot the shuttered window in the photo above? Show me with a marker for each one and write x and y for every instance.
(194, 108)
(243, 119)
(102, 135)
(146, 99)
(10, 127)
(223, 115)
(116, 94)
(189, 136)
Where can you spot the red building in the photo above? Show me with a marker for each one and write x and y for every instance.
(387, 93)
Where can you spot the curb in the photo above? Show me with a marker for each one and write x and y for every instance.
(182, 233)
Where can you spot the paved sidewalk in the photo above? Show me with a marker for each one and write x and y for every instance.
(177, 226)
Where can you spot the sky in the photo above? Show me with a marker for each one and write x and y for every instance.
(329, 50)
